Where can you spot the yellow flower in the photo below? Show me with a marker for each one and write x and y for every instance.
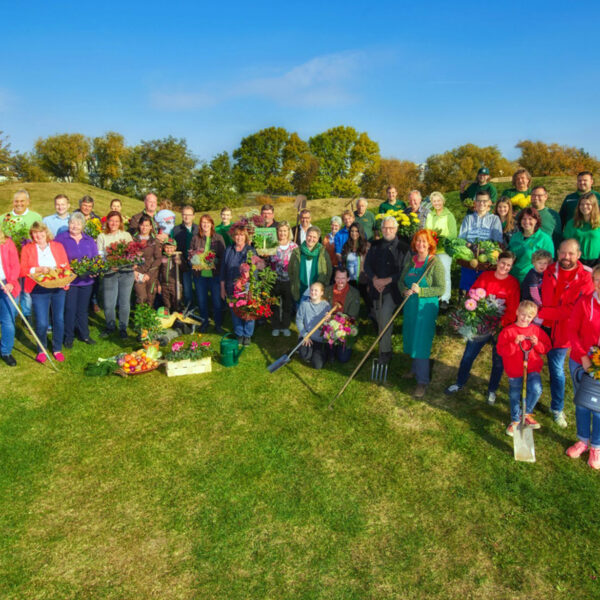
(414, 215)
(520, 200)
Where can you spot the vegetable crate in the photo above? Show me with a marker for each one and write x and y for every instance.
(188, 367)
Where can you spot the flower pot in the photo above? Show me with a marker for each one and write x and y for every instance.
(188, 367)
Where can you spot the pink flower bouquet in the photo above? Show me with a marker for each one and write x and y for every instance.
(339, 329)
(478, 315)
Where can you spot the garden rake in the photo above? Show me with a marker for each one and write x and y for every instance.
(379, 371)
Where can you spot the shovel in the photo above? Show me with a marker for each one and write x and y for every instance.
(285, 359)
(524, 448)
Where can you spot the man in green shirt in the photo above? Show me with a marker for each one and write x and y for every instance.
(20, 215)
(469, 189)
(392, 202)
(225, 225)
(585, 182)
(550, 219)
(365, 218)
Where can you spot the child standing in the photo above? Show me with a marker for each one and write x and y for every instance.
(167, 275)
(309, 314)
(531, 286)
(523, 332)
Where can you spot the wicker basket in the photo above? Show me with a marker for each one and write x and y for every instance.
(54, 283)
(188, 367)
(480, 266)
(124, 373)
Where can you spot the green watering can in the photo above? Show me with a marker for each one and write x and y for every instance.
(230, 350)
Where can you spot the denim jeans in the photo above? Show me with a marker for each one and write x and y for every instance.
(203, 286)
(420, 367)
(533, 393)
(42, 299)
(242, 328)
(76, 311)
(24, 299)
(117, 289)
(472, 350)
(575, 380)
(587, 419)
(7, 323)
(556, 367)
(188, 288)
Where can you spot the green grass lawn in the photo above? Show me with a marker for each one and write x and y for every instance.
(242, 484)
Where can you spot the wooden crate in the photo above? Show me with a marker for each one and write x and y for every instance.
(188, 367)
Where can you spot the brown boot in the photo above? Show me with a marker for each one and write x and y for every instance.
(419, 390)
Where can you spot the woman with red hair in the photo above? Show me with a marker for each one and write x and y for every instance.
(206, 276)
(422, 307)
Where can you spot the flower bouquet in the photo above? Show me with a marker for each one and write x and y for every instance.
(408, 225)
(16, 230)
(189, 360)
(340, 329)
(521, 200)
(123, 255)
(250, 221)
(479, 315)
(93, 227)
(88, 267)
(252, 298)
(202, 261)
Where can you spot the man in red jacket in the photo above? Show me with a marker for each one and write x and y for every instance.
(564, 282)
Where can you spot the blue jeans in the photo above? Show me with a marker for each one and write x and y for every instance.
(7, 323)
(587, 419)
(203, 285)
(188, 288)
(472, 350)
(42, 299)
(24, 299)
(420, 368)
(556, 367)
(242, 328)
(534, 391)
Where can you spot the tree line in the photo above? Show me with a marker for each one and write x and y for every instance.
(339, 162)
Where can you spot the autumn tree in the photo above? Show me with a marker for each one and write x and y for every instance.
(541, 159)
(64, 156)
(402, 174)
(6, 158)
(446, 171)
(109, 154)
(214, 184)
(27, 168)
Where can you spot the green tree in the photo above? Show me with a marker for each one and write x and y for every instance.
(540, 159)
(343, 155)
(403, 174)
(6, 158)
(446, 171)
(27, 168)
(64, 156)
(214, 184)
(109, 154)
(163, 166)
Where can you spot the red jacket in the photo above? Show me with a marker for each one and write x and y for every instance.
(10, 265)
(584, 326)
(556, 312)
(506, 289)
(512, 355)
(29, 259)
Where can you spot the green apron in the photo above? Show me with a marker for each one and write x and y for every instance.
(420, 315)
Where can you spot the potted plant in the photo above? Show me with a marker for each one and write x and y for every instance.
(147, 325)
(189, 360)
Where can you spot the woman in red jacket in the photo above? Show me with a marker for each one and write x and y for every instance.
(42, 256)
(9, 275)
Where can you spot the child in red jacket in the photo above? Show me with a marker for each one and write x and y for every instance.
(523, 332)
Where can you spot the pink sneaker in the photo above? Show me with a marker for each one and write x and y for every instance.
(594, 458)
(41, 358)
(59, 356)
(577, 449)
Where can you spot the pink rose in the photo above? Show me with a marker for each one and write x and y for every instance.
(481, 293)
(470, 304)
(473, 294)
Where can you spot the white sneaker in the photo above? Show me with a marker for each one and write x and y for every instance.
(286, 332)
(452, 389)
(559, 418)
(491, 398)
(275, 333)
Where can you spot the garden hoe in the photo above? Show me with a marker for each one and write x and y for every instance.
(523, 435)
(285, 359)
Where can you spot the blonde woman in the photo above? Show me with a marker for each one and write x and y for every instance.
(504, 211)
(282, 314)
(585, 228)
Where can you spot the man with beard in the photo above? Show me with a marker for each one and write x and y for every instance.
(383, 265)
(585, 181)
(564, 282)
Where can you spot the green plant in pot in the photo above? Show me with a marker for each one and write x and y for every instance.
(147, 324)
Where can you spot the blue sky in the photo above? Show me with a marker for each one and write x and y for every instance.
(420, 78)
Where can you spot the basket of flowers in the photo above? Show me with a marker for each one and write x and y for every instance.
(479, 315)
(93, 227)
(193, 359)
(250, 221)
(123, 256)
(88, 267)
(59, 277)
(339, 330)
(252, 298)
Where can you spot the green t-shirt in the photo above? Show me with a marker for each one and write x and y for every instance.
(224, 231)
(524, 249)
(552, 225)
(27, 219)
(588, 238)
(385, 206)
(367, 222)
(471, 191)
(567, 208)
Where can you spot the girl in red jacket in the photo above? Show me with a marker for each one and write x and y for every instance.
(523, 332)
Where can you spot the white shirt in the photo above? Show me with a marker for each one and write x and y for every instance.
(45, 258)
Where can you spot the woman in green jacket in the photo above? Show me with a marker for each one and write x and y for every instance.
(585, 228)
(527, 240)
(309, 263)
(421, 309)
(442, 221)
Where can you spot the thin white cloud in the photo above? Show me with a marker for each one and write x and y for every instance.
(322, 81)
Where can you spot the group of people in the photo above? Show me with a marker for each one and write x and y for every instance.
(544, 275)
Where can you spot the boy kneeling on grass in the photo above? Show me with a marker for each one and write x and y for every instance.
(309, 314)
(523, 332)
